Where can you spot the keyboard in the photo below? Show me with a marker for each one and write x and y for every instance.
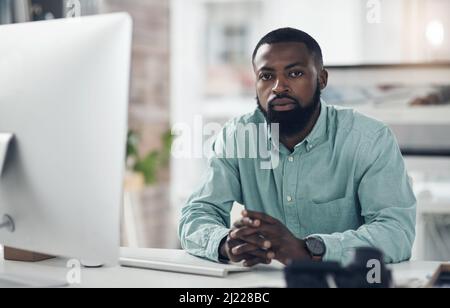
(176, 261)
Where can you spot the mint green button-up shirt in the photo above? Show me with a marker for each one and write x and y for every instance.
(345, 183)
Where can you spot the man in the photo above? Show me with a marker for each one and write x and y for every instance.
(340, 183)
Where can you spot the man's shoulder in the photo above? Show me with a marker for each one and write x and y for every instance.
(255, 117)
(353, 122)
(239, 126)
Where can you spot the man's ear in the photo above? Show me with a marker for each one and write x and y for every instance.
(323, 79)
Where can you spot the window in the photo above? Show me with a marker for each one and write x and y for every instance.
(228, 44)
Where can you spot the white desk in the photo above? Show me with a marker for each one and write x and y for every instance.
(271, 276)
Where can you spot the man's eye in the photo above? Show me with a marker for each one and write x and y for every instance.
(295, 74)
(265, 77)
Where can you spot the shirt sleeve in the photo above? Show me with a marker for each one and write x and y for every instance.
(205, 219)
(388, 205)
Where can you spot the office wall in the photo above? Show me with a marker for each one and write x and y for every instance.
(149, 112)
(149, 116)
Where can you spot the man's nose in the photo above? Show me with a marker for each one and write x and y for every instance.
(280, 87)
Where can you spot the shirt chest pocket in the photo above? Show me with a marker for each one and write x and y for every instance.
(338, 215)
(325, 181)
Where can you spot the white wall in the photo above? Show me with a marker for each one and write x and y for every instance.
(336, 25)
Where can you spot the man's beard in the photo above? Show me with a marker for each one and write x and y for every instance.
(294, 121)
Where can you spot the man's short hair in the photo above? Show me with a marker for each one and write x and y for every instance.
(291, 35)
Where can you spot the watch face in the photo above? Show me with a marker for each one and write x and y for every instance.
(316, 247)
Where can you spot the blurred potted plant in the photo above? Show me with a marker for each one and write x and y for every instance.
(146, 199)
(143, 171)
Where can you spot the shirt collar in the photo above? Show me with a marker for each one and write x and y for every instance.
(319, 132)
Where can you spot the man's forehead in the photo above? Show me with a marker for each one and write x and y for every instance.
(282, 53)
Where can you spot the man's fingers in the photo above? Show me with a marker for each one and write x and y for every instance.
(233, 242)
(266, 230)
(238, 224)
(247, 222)
(250, 256)
(240, 258)
(259, 216)
(257, 240)
(243, 232)
(263, 254)
(243, 249)
(252, 250)
(256, 261)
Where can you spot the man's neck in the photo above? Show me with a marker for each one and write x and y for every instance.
(291, 141)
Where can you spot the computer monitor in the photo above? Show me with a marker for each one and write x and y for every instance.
(64, 90)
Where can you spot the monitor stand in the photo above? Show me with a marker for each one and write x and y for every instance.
(9, 278)
(13, 254)
(13, 276)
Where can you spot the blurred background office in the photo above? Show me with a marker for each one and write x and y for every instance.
(192, 60)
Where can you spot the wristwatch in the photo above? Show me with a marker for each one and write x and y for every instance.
(316, 247)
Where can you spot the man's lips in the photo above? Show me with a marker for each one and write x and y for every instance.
(283, 104)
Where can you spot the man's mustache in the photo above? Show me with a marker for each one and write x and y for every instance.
(283, 96)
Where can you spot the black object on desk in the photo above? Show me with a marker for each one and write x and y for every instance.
(366, 270)
(441, 279)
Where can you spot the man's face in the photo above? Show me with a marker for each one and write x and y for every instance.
(288, 85)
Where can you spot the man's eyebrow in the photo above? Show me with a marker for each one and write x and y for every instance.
(266, 68)
(294, 65)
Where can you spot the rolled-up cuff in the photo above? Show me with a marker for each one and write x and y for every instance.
(212, 250)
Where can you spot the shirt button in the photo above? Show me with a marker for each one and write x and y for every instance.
(291, 159)
(289, 198)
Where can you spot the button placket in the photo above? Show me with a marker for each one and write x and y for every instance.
(290, 189)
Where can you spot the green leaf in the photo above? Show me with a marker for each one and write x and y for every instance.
(132, 144)
(155, 160)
